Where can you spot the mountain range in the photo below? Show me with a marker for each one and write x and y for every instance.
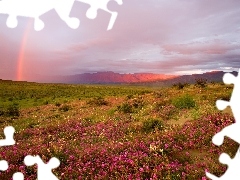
(148, 79)
(137, 78)
(110, 77)
(213, 76)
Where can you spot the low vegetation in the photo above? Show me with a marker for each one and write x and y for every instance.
(115, 132)
(184, 102)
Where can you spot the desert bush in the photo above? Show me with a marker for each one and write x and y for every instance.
(10, 99)
(167, 112)
(131, 105)
(2, 111)
(184, 102)
(201, 82)
(98, 101)
(152, 124)
(180, 85)
(160, 94)
(130, 96)
(125, 108)
(143, 92)
(64, 108)
(165, 109)
(12, 110)
(46, 102)
(58, 104)
(160, 104)
(137, 102)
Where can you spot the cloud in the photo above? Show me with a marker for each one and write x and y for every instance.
(158, 36)
(216, 47)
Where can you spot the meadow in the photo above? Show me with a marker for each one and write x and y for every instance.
(116, 132)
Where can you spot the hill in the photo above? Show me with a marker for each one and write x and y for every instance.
(214, 76)
(148, 79)
(111, 78)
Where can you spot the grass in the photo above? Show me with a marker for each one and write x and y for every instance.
(115, 132)
(34, 94)
(184, 102)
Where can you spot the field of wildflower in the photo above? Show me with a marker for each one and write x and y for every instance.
(116, 132)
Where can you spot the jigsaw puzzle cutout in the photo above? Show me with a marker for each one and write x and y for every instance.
(3, 165)
(8, 141)
(232, 172)
(18, 176)
(8, 133)
(231, 131)
(44, 170)
(101, 4)
(36, 8)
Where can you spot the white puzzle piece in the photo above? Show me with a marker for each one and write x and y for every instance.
(36, 8)
(44, 170)
(101, 4)
(8, 141)
(231, 131)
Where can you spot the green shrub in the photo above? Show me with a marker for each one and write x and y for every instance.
(45, 102)
(184, 102)
(137, 102)
(152, 124)
(10, 99)
(98, 101)
(125, 108)
(201, 82)
(2, 111)
(180, 85)
(12, 110)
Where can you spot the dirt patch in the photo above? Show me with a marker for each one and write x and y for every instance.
(180, 121)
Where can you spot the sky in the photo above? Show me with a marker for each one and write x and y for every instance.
(149, 36)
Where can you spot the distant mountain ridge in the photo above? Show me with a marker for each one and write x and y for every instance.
(110, 77)
(148, 79)
(139, 78)
(213, 76)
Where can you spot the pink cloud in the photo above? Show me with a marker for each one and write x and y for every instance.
(141, 25)
(93, 43)
(199, 48)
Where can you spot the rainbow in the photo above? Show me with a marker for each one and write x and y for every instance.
(20, 59)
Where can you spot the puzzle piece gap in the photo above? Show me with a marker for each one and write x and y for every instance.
(3, 165)
(231, 131)
(44, 170)
(18, 176)
(63, 8)
(8, 132)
